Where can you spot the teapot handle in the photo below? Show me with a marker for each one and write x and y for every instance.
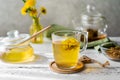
(105, 22)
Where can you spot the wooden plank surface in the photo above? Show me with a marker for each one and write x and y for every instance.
(40, 70)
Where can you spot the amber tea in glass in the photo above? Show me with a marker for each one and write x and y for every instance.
(66, 48)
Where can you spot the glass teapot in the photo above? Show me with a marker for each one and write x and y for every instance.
(93, 22)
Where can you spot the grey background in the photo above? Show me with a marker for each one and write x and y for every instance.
(59, 12)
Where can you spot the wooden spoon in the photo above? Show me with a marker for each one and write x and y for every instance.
(86, 59)
(34, 35)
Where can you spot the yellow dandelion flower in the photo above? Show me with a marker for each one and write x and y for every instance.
(43, 10)
(30, 3)
(33, 12)
(23, 10)
(70, 43)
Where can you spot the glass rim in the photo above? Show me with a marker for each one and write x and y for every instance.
(72, 31)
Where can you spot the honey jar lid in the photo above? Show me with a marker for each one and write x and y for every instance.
(13, 37)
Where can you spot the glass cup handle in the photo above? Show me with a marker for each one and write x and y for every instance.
(85, 41)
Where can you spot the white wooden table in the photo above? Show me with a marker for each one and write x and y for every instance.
(40, 70)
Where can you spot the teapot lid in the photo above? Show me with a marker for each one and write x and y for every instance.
(91, 14)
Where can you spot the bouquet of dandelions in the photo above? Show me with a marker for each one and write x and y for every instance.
(30, 8)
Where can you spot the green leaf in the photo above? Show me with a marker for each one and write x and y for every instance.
(55, 27)
(97, 42)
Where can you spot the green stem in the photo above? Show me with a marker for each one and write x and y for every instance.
(36, 21)
(24, 1)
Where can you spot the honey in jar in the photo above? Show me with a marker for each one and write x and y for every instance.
(18, 54)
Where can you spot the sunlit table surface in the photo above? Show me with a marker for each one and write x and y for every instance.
(40, 70)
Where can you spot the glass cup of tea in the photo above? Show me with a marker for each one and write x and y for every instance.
(67, 46)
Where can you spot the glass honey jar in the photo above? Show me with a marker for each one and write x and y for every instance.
(14, 53)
